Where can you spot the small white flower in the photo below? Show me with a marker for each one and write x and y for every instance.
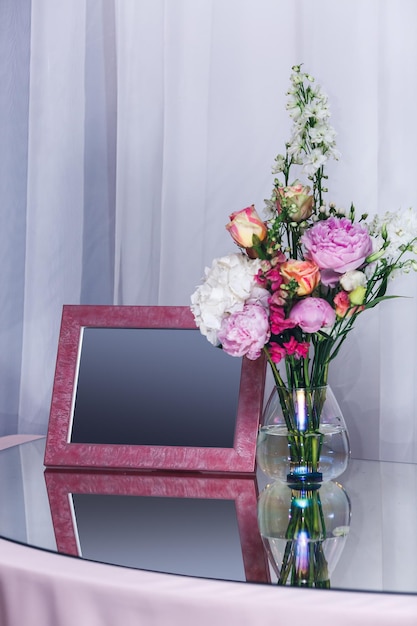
(352, 279)
(293, 106)
(318, 109)
(322, 133)
(296, 79)
(270, 210)
(279, 164)
(295, 147)
(400, 228)
(335, 154)
(314, 160)
(318, 93)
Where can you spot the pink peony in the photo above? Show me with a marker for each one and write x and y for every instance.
(245, 332)
(337, 244)
(311, 314)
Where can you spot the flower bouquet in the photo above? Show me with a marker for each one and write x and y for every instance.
(302, 275)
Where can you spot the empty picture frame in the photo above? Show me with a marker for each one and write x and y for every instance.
(174, 523)
(139, 387)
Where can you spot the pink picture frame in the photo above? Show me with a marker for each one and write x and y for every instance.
(61, 486)
(63, 451)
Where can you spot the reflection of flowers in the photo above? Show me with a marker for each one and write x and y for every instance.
(304, 531)
(304, 562)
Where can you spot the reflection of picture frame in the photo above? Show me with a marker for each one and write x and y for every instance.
(244, 393)
(62, 486)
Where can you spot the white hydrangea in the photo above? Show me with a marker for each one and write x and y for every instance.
(229, 283)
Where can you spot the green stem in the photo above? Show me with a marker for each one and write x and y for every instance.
(275, 372)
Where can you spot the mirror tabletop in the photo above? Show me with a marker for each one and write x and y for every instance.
(210, 526)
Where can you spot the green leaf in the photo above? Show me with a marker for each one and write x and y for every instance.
(370, 305)
(382, 289)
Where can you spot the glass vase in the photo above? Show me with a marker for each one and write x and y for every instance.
(304, 531)
(303, 437)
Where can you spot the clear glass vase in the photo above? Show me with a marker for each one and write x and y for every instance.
(303, 436)
(304, 531)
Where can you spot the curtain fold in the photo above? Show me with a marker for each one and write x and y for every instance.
(141, 105)
(55, 194)
(14, 106)
(130, 129)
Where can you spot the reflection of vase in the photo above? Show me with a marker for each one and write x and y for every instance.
(303, 436)
(304, 531)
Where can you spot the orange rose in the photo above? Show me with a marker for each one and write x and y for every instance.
(306, 273)
(246, 224)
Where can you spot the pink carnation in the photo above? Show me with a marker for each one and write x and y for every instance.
(311, 314)
(276, 352)
(245, 332)
(297, 348)
(337, 244)
(278, 321)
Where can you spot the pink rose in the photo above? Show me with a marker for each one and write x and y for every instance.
(311, 314)
(342, 303)
(245, 332)
(344, 306)
(336, 244)
(246, 224)
(296, 201)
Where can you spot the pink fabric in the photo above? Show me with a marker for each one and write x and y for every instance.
(44, 589)
(13, 440)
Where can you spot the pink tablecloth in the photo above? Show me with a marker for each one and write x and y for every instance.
(45, 589)
(13, 440)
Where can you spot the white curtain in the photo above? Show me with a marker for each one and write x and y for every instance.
(130, 129)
